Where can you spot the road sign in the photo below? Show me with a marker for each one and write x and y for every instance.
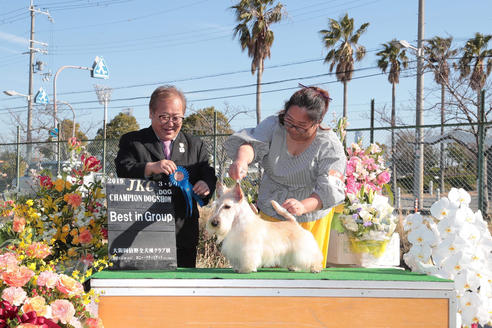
(41, 97)
(99, 69)
(54, 132)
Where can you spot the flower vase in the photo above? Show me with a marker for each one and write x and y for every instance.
(367, 252)
(341, 253)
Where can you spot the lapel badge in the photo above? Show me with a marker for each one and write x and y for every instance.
(181, 147)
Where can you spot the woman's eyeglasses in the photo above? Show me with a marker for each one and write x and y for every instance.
(298, 128)
(165, 118)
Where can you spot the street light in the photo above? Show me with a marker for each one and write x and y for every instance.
(15, 93)
(98, 70)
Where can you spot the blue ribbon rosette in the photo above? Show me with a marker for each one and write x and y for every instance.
(180, 178)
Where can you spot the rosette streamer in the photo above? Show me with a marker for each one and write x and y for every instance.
(186, 188)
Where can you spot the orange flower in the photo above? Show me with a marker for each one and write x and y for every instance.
(38, 250)
(69, 286)
(73, 199)
(37, 304)
(17, 277)
(85, 237)
(59, 185)
(19, 224)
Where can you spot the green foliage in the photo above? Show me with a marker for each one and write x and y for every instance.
(202, 122)
(66, 128)
(395, 58)
(475, 54)
(341, 41)
(118, 126)
(254, 18)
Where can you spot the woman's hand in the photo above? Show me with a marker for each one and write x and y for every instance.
(294, 207)
(238, 169)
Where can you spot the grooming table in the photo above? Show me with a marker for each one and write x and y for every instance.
(336, 297)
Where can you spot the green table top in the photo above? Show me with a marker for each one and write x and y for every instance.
(380, 274)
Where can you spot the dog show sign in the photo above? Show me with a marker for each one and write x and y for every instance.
(141, 224)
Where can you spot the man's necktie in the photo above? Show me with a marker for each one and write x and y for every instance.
(166, 147)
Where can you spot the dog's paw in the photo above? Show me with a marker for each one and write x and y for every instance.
(316, 268)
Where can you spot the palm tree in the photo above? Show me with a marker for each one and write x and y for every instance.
(341, 42)
(474, 54)
(254, 18)
(439, 52)
(394, 57)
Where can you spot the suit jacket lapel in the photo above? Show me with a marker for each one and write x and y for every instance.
(153, 144)
(180, 147)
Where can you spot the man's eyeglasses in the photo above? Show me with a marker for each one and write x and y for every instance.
(165, 118)
(299, 129)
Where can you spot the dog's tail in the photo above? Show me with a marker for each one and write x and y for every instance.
(282, 211)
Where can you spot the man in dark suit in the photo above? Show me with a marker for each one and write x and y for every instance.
(156, 151)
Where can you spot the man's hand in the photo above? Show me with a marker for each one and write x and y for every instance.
(201, 188)
(163, 166)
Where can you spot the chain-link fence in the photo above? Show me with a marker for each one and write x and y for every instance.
(453, 155)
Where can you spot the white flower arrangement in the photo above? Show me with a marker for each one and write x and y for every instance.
(373, 220)
(457, 247)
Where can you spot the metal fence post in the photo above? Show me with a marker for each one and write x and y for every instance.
(372, 122)
(17, 163)
(481, 157)
(215, 140)
(58, 150)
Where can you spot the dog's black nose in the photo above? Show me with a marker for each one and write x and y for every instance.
(214, 223)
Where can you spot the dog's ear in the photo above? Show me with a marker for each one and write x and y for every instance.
(238, 192)
(220, 189)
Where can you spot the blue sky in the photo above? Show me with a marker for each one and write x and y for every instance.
(189, 43)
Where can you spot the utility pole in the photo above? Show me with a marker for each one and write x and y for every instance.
(32, 51)
(418, 182)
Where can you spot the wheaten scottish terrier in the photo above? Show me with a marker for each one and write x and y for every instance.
(249, 242)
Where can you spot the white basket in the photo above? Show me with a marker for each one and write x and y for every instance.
(340, 254)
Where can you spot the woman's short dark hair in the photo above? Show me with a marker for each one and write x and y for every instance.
(315, 100)
(166, 92)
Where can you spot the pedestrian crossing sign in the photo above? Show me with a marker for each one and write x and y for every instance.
(41, 97)
(99, 69)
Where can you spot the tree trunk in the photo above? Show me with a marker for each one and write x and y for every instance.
(345, 99)
(441, 162)
(393, 120)
(258, 92)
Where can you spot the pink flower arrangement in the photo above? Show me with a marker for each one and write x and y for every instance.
(367, 214)
(365, 169)
(41, 299)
